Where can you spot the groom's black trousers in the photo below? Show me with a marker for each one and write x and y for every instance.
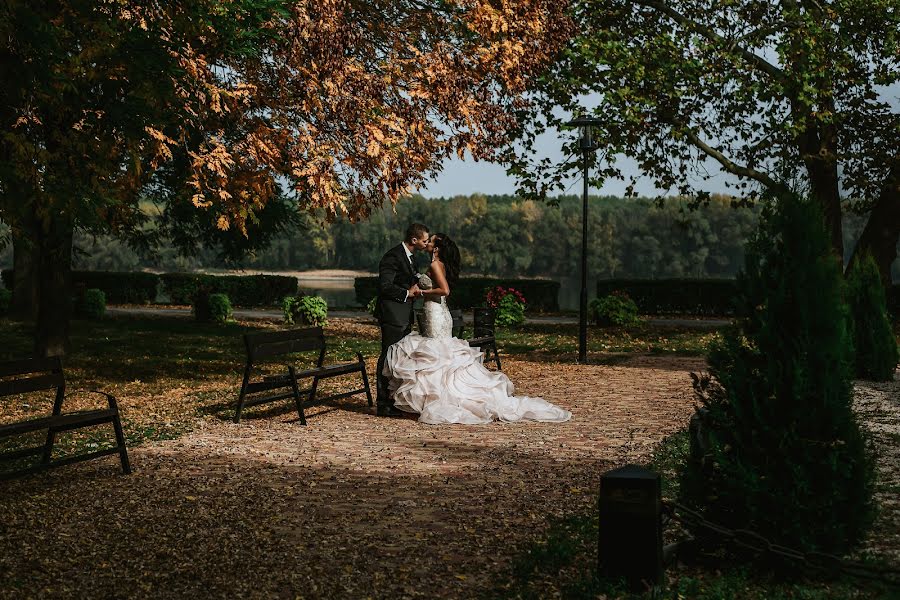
(390, 335)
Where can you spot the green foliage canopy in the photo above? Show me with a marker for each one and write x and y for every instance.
(783, 95)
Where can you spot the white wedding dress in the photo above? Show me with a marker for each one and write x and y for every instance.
(443, 379)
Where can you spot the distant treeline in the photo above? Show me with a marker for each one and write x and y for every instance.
(499, 236)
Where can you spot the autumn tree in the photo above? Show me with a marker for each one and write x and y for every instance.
(224, 105)
(786, 95)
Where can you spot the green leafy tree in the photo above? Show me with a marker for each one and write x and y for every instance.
(791, 95)
(779, 449)
(874, 344)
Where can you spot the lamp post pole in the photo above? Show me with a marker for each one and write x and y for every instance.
(587, 145)
(582, 309)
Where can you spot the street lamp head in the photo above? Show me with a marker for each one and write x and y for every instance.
(584, 123)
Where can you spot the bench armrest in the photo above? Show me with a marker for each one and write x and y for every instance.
(109, 397)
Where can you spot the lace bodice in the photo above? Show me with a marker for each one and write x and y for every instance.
(438, 322)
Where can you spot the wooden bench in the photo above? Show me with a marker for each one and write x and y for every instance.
(36, 375)
(268, 345)
(483, 331)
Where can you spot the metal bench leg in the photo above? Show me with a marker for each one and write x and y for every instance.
(120, 437)
(297, 398)
(365, 377)
(240, 402)
(48, 447)
(497, 358)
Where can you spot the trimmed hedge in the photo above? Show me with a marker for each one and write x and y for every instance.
(702, 297)
(542, 294)
(242, 290)
(118, 287)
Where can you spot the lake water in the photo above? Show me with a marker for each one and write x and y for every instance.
(339, 292)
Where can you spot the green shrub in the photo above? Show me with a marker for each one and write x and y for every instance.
(372, 305)
(5, 300)
(92, 304)
(220, 308)
(777, 448)
(615, 309)
(510, 311)
(305, 310)
(873, 337)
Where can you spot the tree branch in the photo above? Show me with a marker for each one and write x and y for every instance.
(733, 167)
(764, 65)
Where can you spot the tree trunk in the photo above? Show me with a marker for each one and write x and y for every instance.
(26, 255)
(882, 230)
(25, 283)
(55, 286)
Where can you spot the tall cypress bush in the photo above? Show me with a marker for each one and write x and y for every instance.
(777, 447)
(873, 337)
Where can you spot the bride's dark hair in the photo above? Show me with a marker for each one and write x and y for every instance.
(449, 255)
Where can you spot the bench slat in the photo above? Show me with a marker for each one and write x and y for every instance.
(265, 399)
(482, 341)
(330, 370)
(21, 453)
(273, 343)
(29, 365)
(77, 420)
(59, 422)
(31, 384)
(268, 349)
(265, 386)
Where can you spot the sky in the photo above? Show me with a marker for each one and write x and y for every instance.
(466, 177)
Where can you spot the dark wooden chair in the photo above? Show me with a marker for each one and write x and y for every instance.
(36, 375)
(265, 346)
(483, 335)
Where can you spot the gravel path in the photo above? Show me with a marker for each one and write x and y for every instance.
(351, 506)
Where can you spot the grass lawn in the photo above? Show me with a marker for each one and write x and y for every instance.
(167, 372)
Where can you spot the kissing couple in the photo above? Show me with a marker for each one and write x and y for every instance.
(433, 373)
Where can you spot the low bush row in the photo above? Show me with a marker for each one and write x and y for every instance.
(144, 288)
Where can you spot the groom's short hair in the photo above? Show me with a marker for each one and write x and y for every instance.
(416, 230)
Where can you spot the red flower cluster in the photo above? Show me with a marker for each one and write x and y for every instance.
(496, 294)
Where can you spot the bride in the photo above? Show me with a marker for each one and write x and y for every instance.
(441, 377)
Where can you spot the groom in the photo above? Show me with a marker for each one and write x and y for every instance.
(397, 288)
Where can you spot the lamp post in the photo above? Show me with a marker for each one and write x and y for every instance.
(587, 145)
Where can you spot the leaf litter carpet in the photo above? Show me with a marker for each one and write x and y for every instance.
(351, 506)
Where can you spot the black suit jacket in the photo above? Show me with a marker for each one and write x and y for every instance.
(395, 276)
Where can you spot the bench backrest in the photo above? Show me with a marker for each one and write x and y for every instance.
(33, 375)
(275, 343)
(484, 321)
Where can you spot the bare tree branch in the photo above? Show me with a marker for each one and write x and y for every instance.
(733, 167)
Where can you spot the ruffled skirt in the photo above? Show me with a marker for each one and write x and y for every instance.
(444, 381)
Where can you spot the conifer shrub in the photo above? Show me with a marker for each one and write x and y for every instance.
(875, 346)
(776, 446)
